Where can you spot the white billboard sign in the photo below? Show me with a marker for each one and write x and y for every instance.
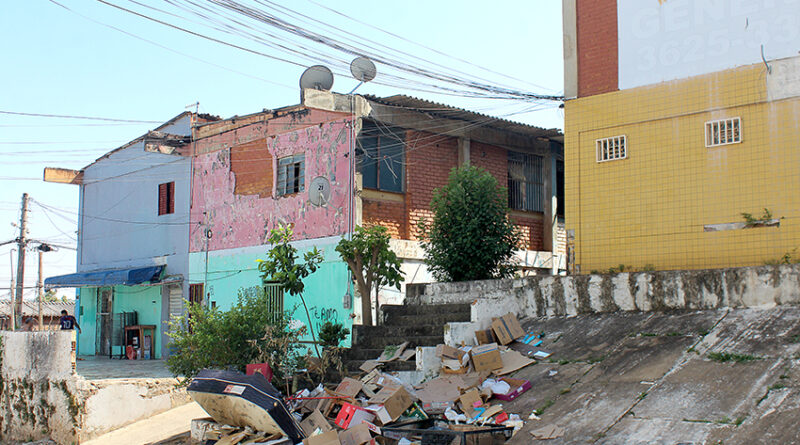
(663, 40)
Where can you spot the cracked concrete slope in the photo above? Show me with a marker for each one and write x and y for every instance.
(690, 377)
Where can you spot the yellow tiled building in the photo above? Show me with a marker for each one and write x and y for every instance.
(659, 176)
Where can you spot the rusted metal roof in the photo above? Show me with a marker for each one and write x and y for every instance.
(450, 112)
(31, 308)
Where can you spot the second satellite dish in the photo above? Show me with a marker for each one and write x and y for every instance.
(317, 77)
(363, 69)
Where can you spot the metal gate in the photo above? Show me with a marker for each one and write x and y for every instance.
(274, 295)
(104, 324)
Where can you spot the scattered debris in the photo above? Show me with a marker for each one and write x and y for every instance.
(548, 432)
(377, 407)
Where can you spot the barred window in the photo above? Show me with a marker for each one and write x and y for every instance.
(723, 132)
(525, 182)
(611, 149)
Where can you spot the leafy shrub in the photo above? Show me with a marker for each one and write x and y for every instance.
(246, 333)
(332, 334)
(471, 236)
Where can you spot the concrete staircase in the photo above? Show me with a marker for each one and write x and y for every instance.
(419, 325)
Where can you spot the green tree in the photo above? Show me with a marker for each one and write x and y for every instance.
(282, 267)
(368, 256)
(471, 236)
(248, 332)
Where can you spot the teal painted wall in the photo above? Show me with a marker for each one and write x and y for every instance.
(234, 269)
(88, 321)
(145, 300)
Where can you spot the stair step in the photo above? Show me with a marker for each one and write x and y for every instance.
(373, 342)
(393, 319)
(411, 365)
(425, 309)
(362, 354)
(409, 330)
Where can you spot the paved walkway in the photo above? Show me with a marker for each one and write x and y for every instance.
(154, 429)
(95, 368)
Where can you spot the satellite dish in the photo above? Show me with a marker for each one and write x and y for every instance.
(317, 77)
(319, 192)
(363, 69)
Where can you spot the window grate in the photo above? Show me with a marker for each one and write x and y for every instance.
(723, 132)
(274, 294)
(612, 149)
(525, 182)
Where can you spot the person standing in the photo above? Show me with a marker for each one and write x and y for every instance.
(68, 322)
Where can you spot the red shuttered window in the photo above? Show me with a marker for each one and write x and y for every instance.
(166, 198)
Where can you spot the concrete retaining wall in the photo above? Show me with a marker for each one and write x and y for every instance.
(540, 296)
(41, 396)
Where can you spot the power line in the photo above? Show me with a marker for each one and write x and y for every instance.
(66, 116)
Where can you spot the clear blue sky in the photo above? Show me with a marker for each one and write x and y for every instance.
(57, 62)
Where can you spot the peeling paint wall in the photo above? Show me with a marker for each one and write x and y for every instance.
(240, 220)
(764, 286)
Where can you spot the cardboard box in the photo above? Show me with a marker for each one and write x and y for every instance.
(518, 386)
(469, 401)
(352, 415)
(315, 421)
(357, 435)
(507, 328)
(486, 357)
(329, 438)
(392, 402)
(485, 336)
(349, 388)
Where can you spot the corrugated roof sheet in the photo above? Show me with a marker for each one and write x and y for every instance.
(31, 308)
(450, 112)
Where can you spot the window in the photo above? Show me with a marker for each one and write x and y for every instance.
(723, 132)
(611, 149)
(196, 293)
(166, 198)
(291, 174)
(380, 152)
(525, 182)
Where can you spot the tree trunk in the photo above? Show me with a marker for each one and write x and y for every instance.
(366, 303)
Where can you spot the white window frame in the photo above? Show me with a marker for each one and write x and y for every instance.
(615, 147)
(724, 126)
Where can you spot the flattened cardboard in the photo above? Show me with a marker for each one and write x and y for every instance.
(349, 388)
(485, 336)
(356, 435)
(486, 357)
(512, 361)
(395, 401)
(449, 352)
(407, 354)
(386, 357)
(369, 365)
(315, 421)
(507, 328)
(329, 438)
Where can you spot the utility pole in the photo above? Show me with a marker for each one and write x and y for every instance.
(11, 291)
(40, 290)
(21, 242)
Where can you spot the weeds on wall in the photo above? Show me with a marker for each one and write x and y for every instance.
(751, 221)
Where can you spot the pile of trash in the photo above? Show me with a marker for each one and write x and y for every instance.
(462, 405)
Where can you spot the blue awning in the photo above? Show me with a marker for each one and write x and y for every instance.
(111, 277)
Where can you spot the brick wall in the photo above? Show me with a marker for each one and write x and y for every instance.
(429, 159)
(597, 47)
(391, 215)
(493, 159)
(531, 236)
